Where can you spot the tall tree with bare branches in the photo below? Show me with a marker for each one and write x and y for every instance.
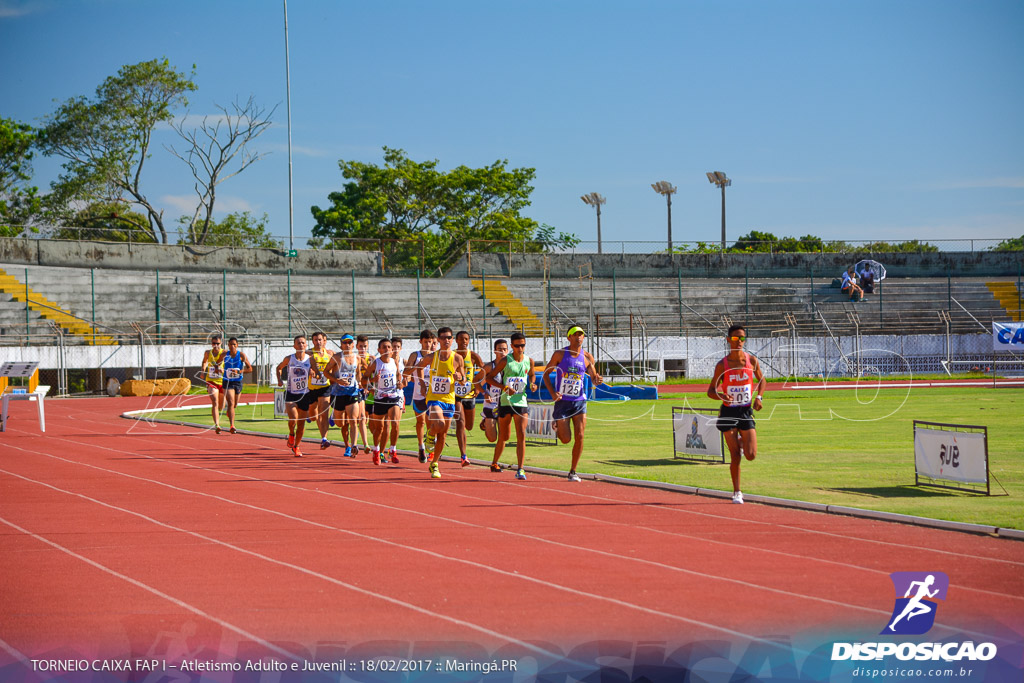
(216, 151)
(106, 140)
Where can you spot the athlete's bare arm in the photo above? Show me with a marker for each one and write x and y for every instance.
(545, 377)
(759, 376)
(280, 369)
(494, 372)
(716, 379)
(592, 369)
(459, 367)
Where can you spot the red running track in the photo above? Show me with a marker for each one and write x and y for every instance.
(128, 537)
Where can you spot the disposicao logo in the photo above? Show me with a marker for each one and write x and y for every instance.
(914, 612)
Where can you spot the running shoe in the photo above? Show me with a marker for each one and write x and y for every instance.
(324, 443)
(330, 421)
(233, 430)
(348, 452)
(423, 454)
(291, 441)
(308, 420)
(495, 467)
(296, 452)
(394, 457)
(574, 477)
(435, 471)
(737, 498)
(465, 460)
(520, 474)
(376, 458)
(217, 428)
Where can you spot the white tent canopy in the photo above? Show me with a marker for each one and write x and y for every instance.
(875, 266)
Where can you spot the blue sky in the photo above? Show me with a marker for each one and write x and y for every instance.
(848, 120)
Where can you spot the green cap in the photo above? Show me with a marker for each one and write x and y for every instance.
(573, 330)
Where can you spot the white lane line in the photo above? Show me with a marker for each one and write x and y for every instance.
(847, 537)
(528, 537)
(394, 601)
(266, 558)
(139, 584)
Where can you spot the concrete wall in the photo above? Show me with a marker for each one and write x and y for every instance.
(827, 266)
(182, 257)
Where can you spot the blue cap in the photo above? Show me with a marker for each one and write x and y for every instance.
(348, 337)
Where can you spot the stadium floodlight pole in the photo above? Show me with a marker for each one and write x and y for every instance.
(595, 200)
(288, 97)
(668, 189)
(718, 178)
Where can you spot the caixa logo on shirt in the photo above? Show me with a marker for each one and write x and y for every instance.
(916, 595)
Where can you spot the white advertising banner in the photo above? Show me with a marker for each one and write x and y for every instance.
(539, 422)
(951, 455)
(696, 434)
(1008, 337)
(279, 407)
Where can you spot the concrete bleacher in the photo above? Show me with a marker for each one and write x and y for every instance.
(698, 307)
(191, 304)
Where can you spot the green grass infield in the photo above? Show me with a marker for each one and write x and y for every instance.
(838, 447)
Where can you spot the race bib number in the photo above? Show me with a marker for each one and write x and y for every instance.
(346, 378)
(741, 395)
(233, 373)
(214, 373)
(440, 385)
(493, 393)
(386, 382)
(572, 385)
(516, 384)
(462, 389)
(297, 381)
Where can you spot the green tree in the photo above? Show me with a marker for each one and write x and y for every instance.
(19, 203)
(908, 247)
(239, 229)
(114, 222)
(414, 201)
(106, 140)
(1012, 244)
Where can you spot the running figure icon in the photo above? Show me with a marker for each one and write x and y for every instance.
(916, 606)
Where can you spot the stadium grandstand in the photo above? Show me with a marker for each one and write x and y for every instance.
(148, 321)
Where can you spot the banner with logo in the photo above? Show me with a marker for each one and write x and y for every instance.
(539, 423)
(1008, 337)
(695, 436)
(279, 407)
(951, 454)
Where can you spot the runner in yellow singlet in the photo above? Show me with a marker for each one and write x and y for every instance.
(213, 374)
(446, 368)
(466, 391)
(320, 386)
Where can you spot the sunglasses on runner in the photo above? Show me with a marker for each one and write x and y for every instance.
(519, 346)
(445, 336)
(739, 338)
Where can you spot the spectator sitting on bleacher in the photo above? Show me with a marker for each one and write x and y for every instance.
(850, 286)
(867, 279)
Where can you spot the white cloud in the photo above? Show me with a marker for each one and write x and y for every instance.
(1015, 183)
(12, 9)
(765, 180)
(186, 204)
(298, 150)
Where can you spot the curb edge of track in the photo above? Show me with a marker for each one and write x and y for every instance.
(964, 527)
